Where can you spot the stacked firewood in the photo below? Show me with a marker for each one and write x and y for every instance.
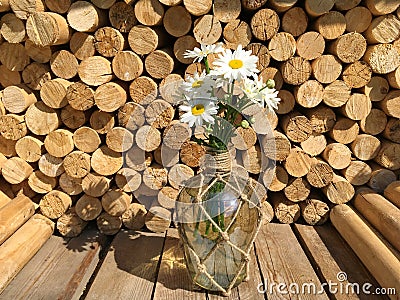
(88, 125)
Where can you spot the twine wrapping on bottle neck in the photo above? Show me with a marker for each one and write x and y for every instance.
(222, 161)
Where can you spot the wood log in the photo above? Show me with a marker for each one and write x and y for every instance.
(85, 17)
(71, 186)
(198, 8)
(171, 2)
(23, 188)
(134, 217)
(226, 11)
(143, 90)
(336, 93)
(8, 77)
(296, 70)
(137, 159)
(388, 155)
(54, 204)
(357, 173)
(298, 163)
(144, 40)
(41, 183)
(115, 202)
(282, 5)
(314, 211)
(127, 65)
(181, 45)
(5, 6)
(131, 116)
(73, 118)
(159, 64)
(310, 45)
(95, 70)
(105, 161)
(287, 102)
(380, 178)
(320, 173)
(191, 153)
(70, 225)
(331, 25)
(168, 87)
(12, 29)
(286, 211)
(102, 122)
(393, 79)
(58, 6)
(23, 9)
(275, 179)
(119, 139)
(79, 96)
(357, 74)
(244, 138)
(53, 93)
(345, 130)
(167, 197)
(380, 213)
(297, 127)
(158, 219)
(265, 24)
(358, 19)
(50, 165)
(365, 147)
(77, 164)
(12, 127)
(128, 180)
(374, 123)
(47, 29)
(237, 32)
(276, 147)
(86, 139)
(392, 131)
(295, 21)
(82, 45)
(155, 177)
(59, 143)
(253, 4)
(382, 58)
(38, 53)
(357, 107)
(339, 191)
(376, 89)
(122, 16)
(110, 96)
(107, 224)
(95, 185)
(282, 46)
(4, 199)
(88, 208)
(177, 175)
(149, 12)
(159, 113)
(174, 28)
(337, 155)
(309, 94)
(326, 68)
(253, 160)
(14, 56)
(314, 145)
(364, 242)
(148, 138)
(346, 4)
(166, 156)
(378, 7)
(390, 104)
(108, 41)
(7, 147)
(14, 215)
(392, 192)
(35, 75)
(22, 246)
(316, 8)
(64, 64)
(274, 74)
(297, 189)
(349, 47)
(15, 170)
(383, 29)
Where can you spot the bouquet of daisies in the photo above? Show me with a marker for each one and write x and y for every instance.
(217, 98)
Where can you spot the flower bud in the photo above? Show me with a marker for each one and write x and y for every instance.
(270, 83)
(244, 124)
(252, 120)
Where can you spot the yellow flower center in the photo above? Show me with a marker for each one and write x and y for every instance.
(198, 109)
(236, 63)
(197, 84)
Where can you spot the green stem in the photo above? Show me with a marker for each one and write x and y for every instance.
(207, 65)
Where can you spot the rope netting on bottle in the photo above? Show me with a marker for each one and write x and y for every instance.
(221, 175)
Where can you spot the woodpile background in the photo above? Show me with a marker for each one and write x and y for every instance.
(84, 82)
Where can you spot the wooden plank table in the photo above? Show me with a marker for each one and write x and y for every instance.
(144, 265)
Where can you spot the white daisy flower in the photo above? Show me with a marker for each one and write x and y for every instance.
(198, 111)
(270, 98)
(198, 85)
(258, 92)
(235, 65)
(203, 52)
